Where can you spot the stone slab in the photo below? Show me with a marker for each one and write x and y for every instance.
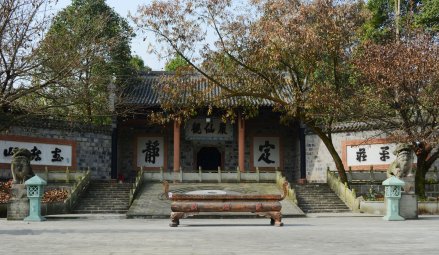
(408, 206)
(18, 206)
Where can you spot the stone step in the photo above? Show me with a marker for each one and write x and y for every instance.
(326, 211)
(321, 204)
(320, 197)
(320, 200)
(314, 198)
(100, 211)
(104, 197)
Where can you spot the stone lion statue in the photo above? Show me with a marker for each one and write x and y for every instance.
(20, 165)
(402, 166)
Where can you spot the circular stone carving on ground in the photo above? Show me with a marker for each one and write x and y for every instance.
(211, 192)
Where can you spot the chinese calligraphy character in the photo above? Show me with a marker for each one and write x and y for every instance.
(384, 153)
(209, 128)
(56, 157)
(151, 151)
(265, 149)
(8, 152)
(36, 153)
(196, 128)
(361, 154)
(222, 128)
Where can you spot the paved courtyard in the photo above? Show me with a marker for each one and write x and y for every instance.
(315, 234)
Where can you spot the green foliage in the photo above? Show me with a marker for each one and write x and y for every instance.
(428, 18)
(93, 41)
(174, 64)
(138, 65)
(415, 14)
(380, 24)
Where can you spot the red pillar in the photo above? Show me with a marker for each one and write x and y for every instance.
(241, 143)
(176, 145)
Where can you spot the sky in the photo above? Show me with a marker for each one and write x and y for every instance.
(138, 46)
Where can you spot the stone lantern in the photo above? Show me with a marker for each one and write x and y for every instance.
(393, 195)
(35, 191)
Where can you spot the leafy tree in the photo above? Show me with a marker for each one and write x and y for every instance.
(293, 53)
(23, 24)
(138, 65)
(399, 76)
(391, 17)
(176, 63)
(400, 83)
(428, 17)
(94, 40)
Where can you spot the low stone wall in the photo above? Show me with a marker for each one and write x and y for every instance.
(373, 207)
(366, 189)
(54, 208)
(432, 190)
(46, 209)
(378, 207)
(75, 190)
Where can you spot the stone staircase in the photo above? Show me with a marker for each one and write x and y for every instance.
(104, 197)
(318, 198)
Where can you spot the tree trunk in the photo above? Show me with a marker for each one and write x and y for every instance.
(420, 182)
(421, 170)
(425, 160)
(334, 154)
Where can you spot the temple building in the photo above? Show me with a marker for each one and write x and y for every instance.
(205, 141)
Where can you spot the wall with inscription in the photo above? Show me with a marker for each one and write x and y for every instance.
(44, 154)
(359, 150)
(58, 145)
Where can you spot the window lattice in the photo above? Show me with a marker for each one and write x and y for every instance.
(32, 191)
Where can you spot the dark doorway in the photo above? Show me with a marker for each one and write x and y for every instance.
(209, 158)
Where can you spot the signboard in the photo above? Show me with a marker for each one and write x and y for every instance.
(208, 129)
(363, 154)
(150, 151)
(266, 152)
(44, 153)
(370, 154)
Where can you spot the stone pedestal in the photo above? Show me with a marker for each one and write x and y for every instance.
(409, 186)
(18, 206)
(408, 206)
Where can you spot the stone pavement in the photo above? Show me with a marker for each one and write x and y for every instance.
(151, 203)
(320, 234)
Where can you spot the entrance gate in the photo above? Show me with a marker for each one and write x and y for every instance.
(209, 158)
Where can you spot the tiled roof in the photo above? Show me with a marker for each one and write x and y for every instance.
(147, 94)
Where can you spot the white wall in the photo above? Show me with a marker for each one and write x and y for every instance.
(318, 158)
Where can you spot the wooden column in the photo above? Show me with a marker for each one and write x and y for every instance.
(176, 145)
(241, 143)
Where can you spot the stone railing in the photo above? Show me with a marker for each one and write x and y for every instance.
(280, 180)
(136, 185)
(66, 175)
(349, 197)
(78, 188)
(210, 176)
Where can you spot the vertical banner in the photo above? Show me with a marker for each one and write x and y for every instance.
(266, 152)
(150, 152)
